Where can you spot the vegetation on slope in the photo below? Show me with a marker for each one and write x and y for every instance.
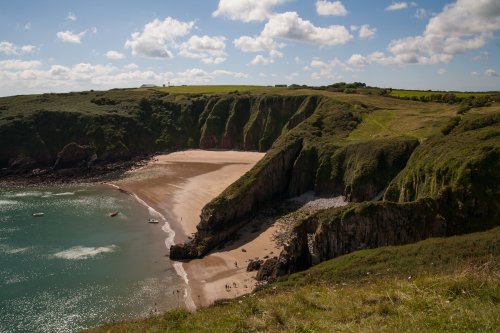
(121, 124)
(460, 169)
(437, 285)
(449, 186)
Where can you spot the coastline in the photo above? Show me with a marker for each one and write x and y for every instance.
(176, 186)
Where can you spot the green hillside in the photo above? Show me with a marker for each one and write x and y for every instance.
(437, 285)
(410, 169)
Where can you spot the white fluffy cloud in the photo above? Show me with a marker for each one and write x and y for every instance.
(209, 50)
(256, 44)
(289, 26)
(358, 60)
(246, 10)
(115, 55)
(260, 60)
(222, 72)
(158, 37)
(366, 32)
(14, 64)
(321, 69)
(28, 76)
(490, 72)
(198, 76)
(70, 37)
(460, 27)
(9, 48)
(131, 66)
(397, 6)
(335, 8)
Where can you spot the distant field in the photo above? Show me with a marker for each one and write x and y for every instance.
(210, 89)
(418, 93)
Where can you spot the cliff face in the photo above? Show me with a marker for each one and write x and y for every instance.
(449, 186)
(311, 156)
(360, 171)
(335, 232)
(443, 185)
(241, 122)
(225, 215)
(117, 127)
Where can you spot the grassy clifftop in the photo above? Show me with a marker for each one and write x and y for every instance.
(436, 169)
(437, 285)
(460, 169)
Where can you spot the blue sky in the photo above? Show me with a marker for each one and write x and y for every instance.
(62, 45)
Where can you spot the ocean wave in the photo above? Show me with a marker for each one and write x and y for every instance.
(169, 241)
(51, 194)
(17, 250)
(25, 194)
(83, 252)
(8, 202)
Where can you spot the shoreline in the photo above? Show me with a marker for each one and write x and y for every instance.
(177, 186)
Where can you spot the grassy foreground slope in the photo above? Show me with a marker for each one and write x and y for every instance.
(437, 285)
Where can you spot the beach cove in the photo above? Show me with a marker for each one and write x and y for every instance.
(178, 185)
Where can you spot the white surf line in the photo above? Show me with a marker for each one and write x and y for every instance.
(169, 241)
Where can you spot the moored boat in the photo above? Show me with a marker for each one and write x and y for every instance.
(113, 214)
(38, 214)
(153, 221)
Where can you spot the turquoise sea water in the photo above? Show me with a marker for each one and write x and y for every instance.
(76, 267)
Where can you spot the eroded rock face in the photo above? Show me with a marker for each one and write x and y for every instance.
(225, 215)
(306, 158)
(338, 231)
(254, 265)
(73, 155)
(266, 271)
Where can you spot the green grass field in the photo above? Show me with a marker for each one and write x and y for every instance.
(213, 89)
(418, 93)
(437, 285)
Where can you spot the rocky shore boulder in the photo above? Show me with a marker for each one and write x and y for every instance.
(74, 155)
(254, 265)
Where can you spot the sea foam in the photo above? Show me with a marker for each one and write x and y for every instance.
(83, 252)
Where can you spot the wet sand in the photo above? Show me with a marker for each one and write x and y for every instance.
(178, 185)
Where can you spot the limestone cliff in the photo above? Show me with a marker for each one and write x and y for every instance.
(312, 156)
(449, 186)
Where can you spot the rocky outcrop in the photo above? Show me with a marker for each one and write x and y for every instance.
(251, 122)
(131, 126)
(74, 155)
(339, 231)
(449, 186)
(226, 214)
(254, 265)
(304, 158)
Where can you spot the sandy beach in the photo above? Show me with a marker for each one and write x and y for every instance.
(178, 185)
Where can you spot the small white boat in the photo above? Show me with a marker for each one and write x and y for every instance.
(153, 221)
(113, 214)
(38, 214)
